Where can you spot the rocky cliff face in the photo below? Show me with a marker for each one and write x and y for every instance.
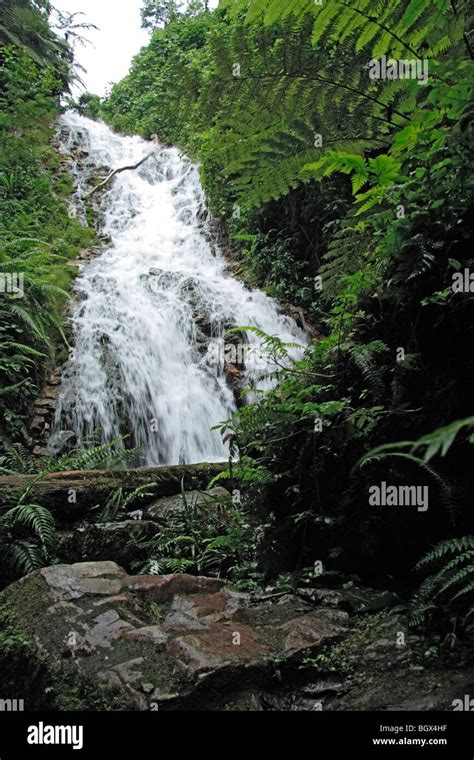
(43, 414)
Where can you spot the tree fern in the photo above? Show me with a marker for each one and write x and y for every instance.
(388, 27)
(25, 24)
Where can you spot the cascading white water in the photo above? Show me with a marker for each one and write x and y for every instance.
(153, 308)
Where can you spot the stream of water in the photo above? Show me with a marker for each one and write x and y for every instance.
(151, 310)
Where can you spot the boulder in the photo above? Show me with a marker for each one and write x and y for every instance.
(99, 541)
(170, 506)
(354, 599)
(92, 637)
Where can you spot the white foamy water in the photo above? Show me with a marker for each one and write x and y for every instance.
(152, 309)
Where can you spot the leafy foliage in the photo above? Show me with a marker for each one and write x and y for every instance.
(349, 196)
(117, 503)
(37, 237)
(90, 455)
(452, 585)
(438, 442)
(24, 24)
(27, 528)
(26, 533)
(208, 535)
(159, 13)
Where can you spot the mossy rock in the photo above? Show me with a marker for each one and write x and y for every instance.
(89, 636)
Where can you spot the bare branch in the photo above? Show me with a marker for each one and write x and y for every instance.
(118, 171)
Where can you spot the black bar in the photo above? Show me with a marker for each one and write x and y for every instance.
(316, 734)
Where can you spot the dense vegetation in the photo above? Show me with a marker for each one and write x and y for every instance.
(37, 236)
(348, 196)
(345, 195)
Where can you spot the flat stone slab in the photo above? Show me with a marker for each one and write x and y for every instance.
(143, 642)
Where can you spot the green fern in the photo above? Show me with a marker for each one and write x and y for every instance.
(117, 503)
(16, 459)
(26, 533)
(22, 556)
(364, 357)
(438, 442)
(452, 585)
(208, 535)
(382, 27)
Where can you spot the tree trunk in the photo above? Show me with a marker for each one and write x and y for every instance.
(69, 495)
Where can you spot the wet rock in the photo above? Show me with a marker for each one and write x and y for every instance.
(314, 629)
(328, 597)
(44, 409)
(171, 506)
(37, 424)
(52, 392)
(355, 599)
(203, 322)
(61, 441)
(66, 582)
(154, 633)
(201, 653)
(55, 377)
(41, 412)
(128, 642)
(361, 599)
(300, 316)
(40, 451)
(164, 588)
(387, 652)
(233, 376)
(406, 690)
(324, 686)
(99, 541)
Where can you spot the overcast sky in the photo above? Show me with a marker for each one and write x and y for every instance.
(119, 38)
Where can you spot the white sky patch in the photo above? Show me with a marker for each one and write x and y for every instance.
(107, 59)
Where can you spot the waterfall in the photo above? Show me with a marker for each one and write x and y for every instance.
(151, 310)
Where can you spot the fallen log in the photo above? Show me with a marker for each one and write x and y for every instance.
(117, 171)
(70, 495)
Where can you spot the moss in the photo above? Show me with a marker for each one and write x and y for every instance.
(31, 604)
(48, 679)
(74, 694)
(34, 676)
(20, 665)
